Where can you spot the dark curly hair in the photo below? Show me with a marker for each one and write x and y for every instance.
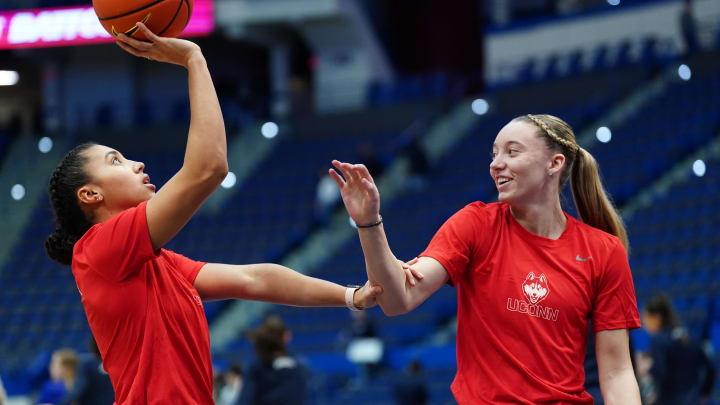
(72, 223)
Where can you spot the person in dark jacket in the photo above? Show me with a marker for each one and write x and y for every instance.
(681, 370)
(411, 388)
(276, 378)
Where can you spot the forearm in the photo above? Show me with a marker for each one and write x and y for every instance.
(206, 145)
(620, 387)
(281, 285)
(384, 269)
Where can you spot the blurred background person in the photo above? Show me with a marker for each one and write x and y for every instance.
(63, 371)
(276, 377)
(362, 347)
(92, 384)
(327, 198)
(688, 27)
(232, 383)
(681, 371)
(411, 387)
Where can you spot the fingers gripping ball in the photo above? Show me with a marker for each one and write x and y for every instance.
(166, 18)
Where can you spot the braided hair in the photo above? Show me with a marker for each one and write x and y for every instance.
(72, 223)
(567, 145)
(592, 202)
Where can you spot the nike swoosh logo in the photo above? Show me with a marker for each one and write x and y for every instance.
(580, 259)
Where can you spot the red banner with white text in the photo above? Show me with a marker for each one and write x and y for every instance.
(68, 26)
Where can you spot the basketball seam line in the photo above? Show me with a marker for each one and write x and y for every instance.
(173, 19)
(189, 14)
(130, 12)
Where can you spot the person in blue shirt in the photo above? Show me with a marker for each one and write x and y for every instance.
(63, 369)
(92, 385)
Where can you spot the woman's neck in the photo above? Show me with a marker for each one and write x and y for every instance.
(546, 220)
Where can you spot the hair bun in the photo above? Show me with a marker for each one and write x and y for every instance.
(59, 246)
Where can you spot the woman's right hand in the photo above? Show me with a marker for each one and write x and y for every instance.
(358, 190)
(161, 49)
(411, 274)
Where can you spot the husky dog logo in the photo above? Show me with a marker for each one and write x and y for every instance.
(535, 287)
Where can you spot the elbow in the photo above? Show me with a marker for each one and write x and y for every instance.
(397, 309)
(218, 166)
(215, 173)
(220, 170)
(393, 312)
(210, 172)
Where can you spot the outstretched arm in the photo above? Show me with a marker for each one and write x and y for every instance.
(278, 284)
(205, 165)
(362, 201)
(617, 379)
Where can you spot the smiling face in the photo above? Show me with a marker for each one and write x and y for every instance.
(116, 182)
(521, 162)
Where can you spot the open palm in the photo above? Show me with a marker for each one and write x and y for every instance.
(161, 49)
(358, 190)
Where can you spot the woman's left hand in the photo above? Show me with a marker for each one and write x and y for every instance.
(366, 296)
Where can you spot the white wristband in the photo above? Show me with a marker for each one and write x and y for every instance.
(349, 298)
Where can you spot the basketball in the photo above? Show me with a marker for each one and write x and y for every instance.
(166, 18)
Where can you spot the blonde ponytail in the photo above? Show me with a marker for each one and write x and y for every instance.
(592, 202)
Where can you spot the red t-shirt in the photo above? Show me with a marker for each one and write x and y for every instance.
(144, 312)
(524, 303)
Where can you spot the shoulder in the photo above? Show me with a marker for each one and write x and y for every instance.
(598, 239)
(129, 216)
(116, 246)
(479, 210)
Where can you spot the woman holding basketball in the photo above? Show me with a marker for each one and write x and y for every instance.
(143, 303)
(529, 276)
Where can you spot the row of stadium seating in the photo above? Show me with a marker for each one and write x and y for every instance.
(271, 212)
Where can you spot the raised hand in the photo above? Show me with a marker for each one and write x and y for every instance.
(358, 190)
(170, 50)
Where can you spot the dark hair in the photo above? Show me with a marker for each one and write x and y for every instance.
(235, 369)
(661, 306)
(72, 223)
(269, 339)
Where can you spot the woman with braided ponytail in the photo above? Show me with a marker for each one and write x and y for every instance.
(530, 277)
(143, 302)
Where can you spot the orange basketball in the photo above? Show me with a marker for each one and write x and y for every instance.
(166, 18)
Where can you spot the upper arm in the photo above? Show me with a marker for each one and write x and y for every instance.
(176, 202)
(460, 240)
(612, 349)
(434, 277)
(614, 303)
(617, 378)
(217, 281)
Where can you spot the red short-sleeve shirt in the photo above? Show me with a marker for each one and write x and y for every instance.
(524, 303)
(144, 312)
